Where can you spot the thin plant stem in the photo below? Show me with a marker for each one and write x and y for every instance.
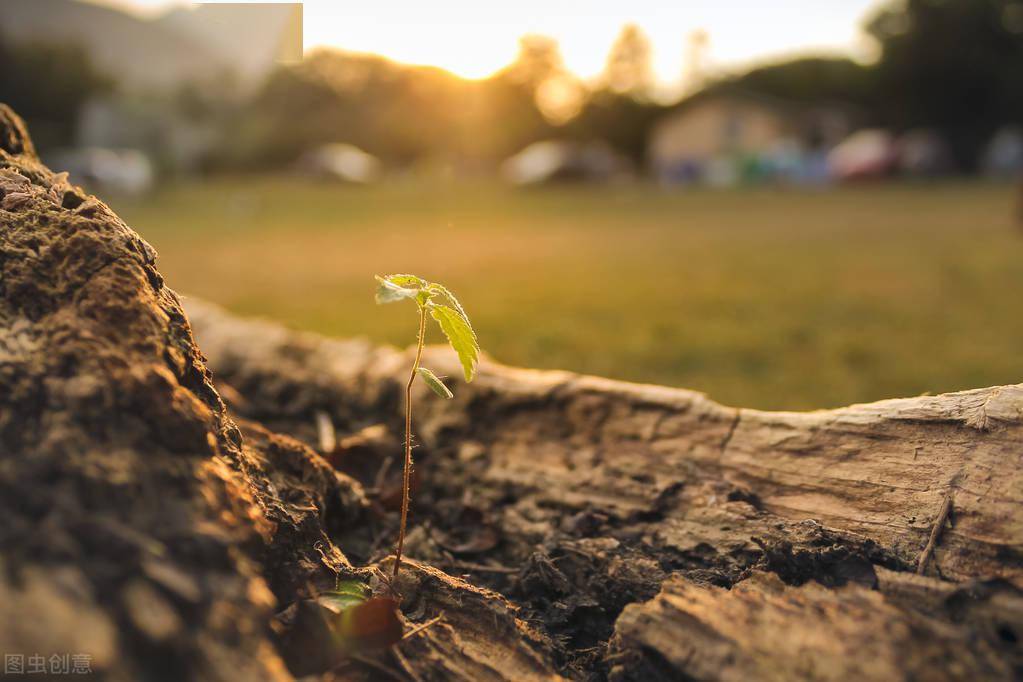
(407, 473)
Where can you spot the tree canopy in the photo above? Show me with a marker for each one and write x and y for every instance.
(953, 65)
(47, 84)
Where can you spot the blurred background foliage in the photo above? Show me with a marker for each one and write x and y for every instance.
(774, 295)
(948, 65)
(48, 84)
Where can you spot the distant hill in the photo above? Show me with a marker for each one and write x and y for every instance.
(187, 44)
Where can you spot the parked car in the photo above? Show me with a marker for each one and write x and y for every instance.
(102, 169)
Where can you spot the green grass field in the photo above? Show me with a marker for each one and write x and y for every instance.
(770, 298)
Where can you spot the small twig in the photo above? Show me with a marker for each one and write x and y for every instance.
(573, 550)
(231, 395)
(378, 481)
(406, 483)
(325, 431)
(939, 525)
(377, 665)
(466, 566)
(405, 665)
(422, 626)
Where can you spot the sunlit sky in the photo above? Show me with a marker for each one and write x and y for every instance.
(474, 38)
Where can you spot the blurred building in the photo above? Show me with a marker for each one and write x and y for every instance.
(185, 45)
(249, 38)
(173, 143)
(725, 135)
(173, 75)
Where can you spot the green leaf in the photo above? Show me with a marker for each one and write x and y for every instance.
(389, 291)
(460, 335)
(434, 382)
(446, 293)
(348, 593)
(409, 281)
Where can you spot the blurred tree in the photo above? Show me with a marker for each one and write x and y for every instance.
(540, 70)
(629, 69)
(621, 111)
(694, 75)
(954, 65)
(403, 114)
(622, 121)
(48, 85)
(538, 59)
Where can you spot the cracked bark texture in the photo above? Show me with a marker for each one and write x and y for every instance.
(612, 500)
(134, 521)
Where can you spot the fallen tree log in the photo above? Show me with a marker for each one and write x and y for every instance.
(879, 472)
(563, 526)
(763, 629)
(594, 493)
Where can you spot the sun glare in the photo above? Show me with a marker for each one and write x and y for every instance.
(473, 39)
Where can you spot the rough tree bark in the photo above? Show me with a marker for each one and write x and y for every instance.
(563, 526)
(141, 531)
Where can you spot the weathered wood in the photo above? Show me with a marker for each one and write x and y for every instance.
(480, 635)
(600, 490)
(762, 629)
(936, 530)
(875, 472)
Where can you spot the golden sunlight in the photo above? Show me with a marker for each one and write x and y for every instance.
(473, 39)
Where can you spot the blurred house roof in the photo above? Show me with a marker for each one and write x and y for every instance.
(728, 119)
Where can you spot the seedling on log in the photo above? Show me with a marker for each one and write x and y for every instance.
(437, 301)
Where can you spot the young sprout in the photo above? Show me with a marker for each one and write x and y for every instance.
(433, 299)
